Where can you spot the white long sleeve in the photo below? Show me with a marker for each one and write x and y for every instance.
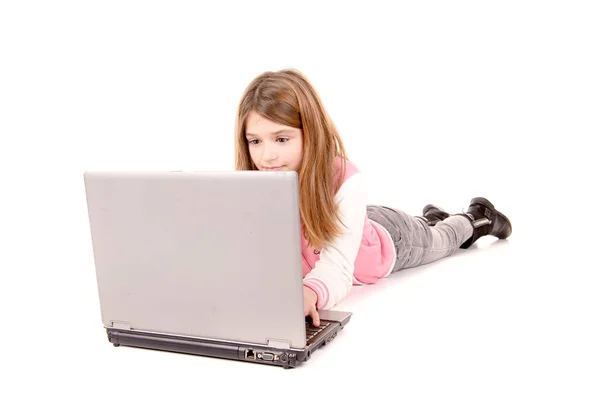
(332, 275)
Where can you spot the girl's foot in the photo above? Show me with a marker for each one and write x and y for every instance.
(486, 220)
(434, 214)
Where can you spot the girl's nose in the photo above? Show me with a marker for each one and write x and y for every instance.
(269, 153)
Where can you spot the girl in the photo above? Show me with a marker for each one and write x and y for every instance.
(282, 125)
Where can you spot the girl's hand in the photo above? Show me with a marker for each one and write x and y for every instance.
(310, 305)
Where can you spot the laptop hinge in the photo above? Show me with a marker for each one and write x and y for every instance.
(121, 325)
(278, 344)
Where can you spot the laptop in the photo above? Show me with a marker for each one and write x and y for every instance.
(204, 263)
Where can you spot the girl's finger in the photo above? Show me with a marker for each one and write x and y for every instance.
(315, 317)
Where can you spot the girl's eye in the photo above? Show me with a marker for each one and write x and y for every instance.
(254, 142)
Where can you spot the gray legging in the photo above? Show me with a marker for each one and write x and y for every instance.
(416, 242)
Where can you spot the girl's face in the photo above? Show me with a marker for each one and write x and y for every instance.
(273, 147)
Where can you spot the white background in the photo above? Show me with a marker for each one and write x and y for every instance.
(436, 102)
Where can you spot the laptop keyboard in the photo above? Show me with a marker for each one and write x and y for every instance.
(313, 331)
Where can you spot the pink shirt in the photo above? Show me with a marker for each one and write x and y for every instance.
(363, 254)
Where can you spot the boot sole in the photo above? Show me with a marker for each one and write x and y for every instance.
(485, 202)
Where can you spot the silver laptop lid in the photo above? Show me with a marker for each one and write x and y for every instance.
(199, 254)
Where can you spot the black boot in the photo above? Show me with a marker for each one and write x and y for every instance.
(486, 220)
(434, 214)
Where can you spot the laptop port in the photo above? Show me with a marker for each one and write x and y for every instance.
(268, 356)
(250, 354)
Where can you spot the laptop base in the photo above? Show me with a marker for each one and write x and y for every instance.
(260, 354)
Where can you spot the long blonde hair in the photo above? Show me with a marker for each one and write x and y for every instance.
(287, 97)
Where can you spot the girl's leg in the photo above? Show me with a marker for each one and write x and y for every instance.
(447, 236)
(416, 242)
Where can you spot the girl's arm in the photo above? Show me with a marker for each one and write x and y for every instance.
(331, 279)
